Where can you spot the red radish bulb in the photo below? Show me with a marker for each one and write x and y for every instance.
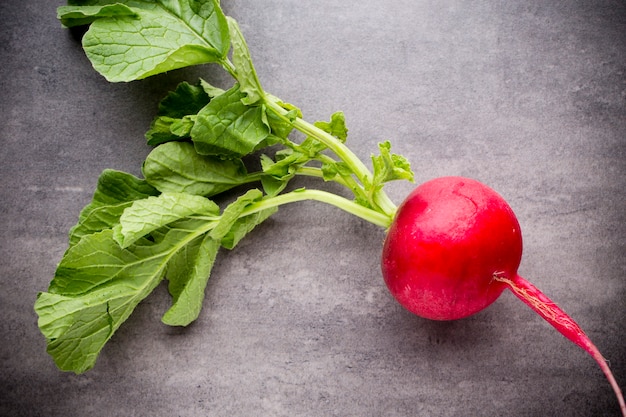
(453, 247)
(447, 240)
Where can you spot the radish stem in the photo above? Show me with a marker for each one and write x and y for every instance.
(562, 322)
(351, 207)
(342, 151)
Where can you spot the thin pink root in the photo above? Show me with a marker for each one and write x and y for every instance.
(547, 309)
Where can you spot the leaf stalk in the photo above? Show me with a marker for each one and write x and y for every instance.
(343, 203)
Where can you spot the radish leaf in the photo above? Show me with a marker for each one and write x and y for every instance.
(176, 114)
(115, 191)
(147, 215)
(143, 38)
(96, 287)
(77, 16)
(188, 273)
(227, 127)
(233, 212)
(246, 74)
(390, 167)
(176, 167)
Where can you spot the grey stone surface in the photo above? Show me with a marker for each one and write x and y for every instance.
(529, 97)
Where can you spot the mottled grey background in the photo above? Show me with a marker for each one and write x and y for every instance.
(528, 96)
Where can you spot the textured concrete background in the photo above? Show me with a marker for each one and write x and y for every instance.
(529, 97)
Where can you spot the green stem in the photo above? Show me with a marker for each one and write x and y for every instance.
(363, 174)
(341, 150)
(317, 173)
(383, 201)
(343, 203)
(229, 67)
(346, 180)
(309, 171)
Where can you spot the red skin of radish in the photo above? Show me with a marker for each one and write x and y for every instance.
(454, 246)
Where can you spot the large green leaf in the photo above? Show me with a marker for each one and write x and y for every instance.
(136, 39)
(229, 128)
(98, 284)
(96, 287)
(152, 213)
(176, 167)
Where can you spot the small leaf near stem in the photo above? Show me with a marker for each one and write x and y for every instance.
(245, 73)
(549, 311)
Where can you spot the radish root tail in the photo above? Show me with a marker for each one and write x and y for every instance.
(546, 308)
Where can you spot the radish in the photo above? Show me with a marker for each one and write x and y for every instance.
(454, 246)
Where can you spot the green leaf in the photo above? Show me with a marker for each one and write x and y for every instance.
(185, 100)
(71, 16)
(188, 273)
(211, 90)
(182, 127)
(176, 114)
(233, 212)
(390, 167)
(278, 126)
(176, 167)
(145, 38)
(149, 214)
(228, 128)
(330, 170)
(245, 225)
(98, 284)
(166, 129)
(246, 74)
(114, 193)
(161, 131)
(96, 287)
(336, 126)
